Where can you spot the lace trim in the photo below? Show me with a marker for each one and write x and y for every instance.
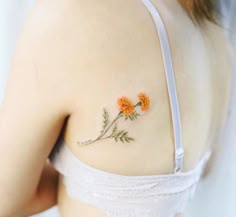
(117, 195)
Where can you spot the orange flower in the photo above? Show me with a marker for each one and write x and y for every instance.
(126, 106)
(144, 100)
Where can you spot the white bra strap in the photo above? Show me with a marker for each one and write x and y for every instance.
(166, 55)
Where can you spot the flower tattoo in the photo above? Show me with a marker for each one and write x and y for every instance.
(126, 111)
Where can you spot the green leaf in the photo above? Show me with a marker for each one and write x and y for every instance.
(119, 133)
(130, 138)
(106, 120)
(114, 128)
(135, 115)
(126, 139)
(122, 135)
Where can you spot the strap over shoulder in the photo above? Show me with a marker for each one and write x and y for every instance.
(168, 66)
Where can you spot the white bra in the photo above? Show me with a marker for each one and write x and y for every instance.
(134, 196)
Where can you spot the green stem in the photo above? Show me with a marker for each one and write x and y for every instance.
(109, 126)
(137, 104)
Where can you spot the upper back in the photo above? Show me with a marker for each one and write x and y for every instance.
(102, 51)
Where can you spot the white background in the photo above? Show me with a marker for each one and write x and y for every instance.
(216, 195)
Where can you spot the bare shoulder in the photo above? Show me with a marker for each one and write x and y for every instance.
(79, 43)
(52, 48)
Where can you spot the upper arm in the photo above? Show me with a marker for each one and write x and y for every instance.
(32, 115)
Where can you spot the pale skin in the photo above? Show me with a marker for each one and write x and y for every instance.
(74, 58)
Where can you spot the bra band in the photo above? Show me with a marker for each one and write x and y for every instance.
(169, 72)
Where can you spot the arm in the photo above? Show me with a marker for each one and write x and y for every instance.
(28, 132)
(46, 194)
(32, 115)
(27, 135)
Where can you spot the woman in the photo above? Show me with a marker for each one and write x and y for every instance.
(89, 77)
